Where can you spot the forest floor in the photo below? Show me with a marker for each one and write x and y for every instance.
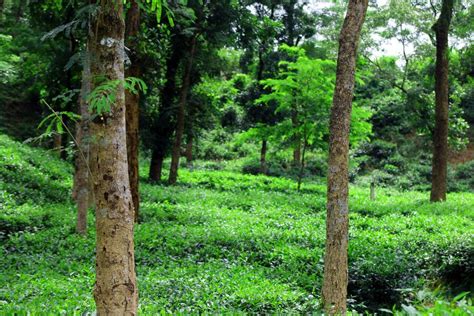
(226, 242)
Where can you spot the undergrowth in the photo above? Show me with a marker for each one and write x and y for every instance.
(223, 242)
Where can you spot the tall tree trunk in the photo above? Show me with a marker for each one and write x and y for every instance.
(163, 128)
(263, 157)
(440, 135)
(82, 192)
(189, 150)
(334, 291)
(181, 116)
(115, 290)
(156, 165)
(132, 103)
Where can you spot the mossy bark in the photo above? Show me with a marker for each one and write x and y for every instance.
(334, 291)
(115, 290)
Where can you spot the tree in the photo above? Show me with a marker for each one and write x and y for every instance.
(205, 24)
(115, 288)
(335, 280)
(440, 136)
(82, 190)
(163, 124)
(173, 176)
(305, 86)
(132, 103)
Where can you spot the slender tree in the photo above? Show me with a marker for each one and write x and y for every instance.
(132, 29)
(82, 191)
(334, 291)
(115, 288)
(164, 125)
(173, 176)
(440, 134)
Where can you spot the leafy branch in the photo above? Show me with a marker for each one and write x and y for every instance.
(101, 98)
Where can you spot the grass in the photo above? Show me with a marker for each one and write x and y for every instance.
(222, 242)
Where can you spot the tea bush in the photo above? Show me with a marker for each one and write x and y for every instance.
(224, 242)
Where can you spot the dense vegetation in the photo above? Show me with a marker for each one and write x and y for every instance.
(202, 152)
(221, 242)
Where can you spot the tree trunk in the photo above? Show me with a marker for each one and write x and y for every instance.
(163, 128)
(440, 135)
(334, 291)
(263, 157)
(115, 290)
(132, 104)
(57, 143)
(181, 116)
(156, 165)
(297, 139)
(297, 154)
(82, 192)
(189, 151)
(301, 173)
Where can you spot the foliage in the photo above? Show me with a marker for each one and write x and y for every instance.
(305, 87)
(103, 96)
(227, 243)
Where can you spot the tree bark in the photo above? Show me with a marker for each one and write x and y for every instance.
(181, 116)
(263, 157)
(156, 165)
(440, 135)
(57, 143)
(82, 192)
(334, 291)
(115, 290)
(189, 151)
(132, 103)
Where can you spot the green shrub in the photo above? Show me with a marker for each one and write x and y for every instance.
(224, 242)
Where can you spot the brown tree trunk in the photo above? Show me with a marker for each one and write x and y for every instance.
(115, 290)
(132, 104)
(181, 116)
(163, 127)
(334, 291)
(263, 157)
(189, 151)
(156, 165)
(57, 143)
(82, 191)
(440, 135)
